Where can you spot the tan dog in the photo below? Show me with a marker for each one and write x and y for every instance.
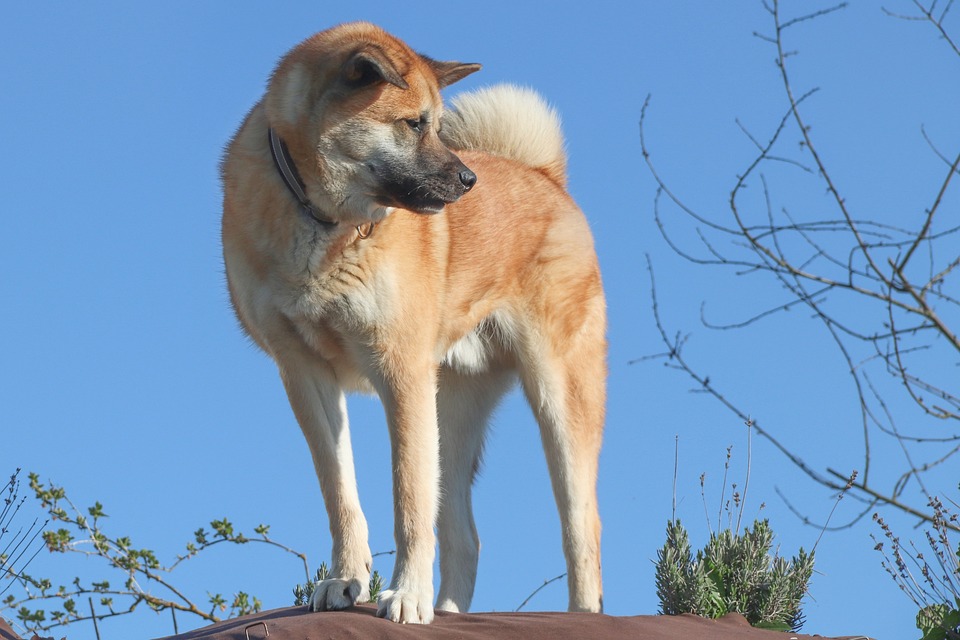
(338, 270)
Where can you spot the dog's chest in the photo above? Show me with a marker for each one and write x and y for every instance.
(348, 301)
(337, 323)
(350, 295)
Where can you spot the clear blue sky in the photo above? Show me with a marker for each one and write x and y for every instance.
(125, 378)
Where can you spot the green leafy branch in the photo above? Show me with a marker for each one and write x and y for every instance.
(145, 579)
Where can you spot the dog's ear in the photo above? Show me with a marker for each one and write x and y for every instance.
(288, 98)
(449, 72)
(371, 65)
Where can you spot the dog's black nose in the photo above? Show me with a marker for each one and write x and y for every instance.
(468, 178)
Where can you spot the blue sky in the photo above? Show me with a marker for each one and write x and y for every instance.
(127, 380)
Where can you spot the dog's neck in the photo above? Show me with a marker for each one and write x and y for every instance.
(291, 177)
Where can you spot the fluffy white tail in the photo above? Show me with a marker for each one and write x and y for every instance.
(509, 121)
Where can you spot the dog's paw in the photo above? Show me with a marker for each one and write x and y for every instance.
(405, 607)
(333, 594)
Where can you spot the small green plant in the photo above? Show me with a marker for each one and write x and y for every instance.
(930, 580)
(302, 592)
(734, 572)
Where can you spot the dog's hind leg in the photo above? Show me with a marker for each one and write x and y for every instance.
(320, 407)
(464, 405)
(565, 385)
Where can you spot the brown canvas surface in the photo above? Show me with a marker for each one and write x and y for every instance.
(6, 633)
(361, 623)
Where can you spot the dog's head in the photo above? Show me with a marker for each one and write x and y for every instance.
(360, 113)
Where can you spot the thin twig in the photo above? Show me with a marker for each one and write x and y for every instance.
(538, 589)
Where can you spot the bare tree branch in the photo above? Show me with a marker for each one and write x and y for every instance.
(885, 294)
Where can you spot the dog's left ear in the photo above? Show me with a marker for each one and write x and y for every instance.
(371, 65)
(449, 72)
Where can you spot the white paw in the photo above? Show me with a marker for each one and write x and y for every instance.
(406, 607)
(448, 604)
(333, 594)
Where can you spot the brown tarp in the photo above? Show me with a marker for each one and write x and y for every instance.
(6, 633)
(361, 623)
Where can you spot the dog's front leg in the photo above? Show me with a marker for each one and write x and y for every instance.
(411, 410)
(321, 409)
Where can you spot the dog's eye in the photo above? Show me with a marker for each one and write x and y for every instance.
(419, 125)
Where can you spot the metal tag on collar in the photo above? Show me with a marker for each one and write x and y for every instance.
(364, 230)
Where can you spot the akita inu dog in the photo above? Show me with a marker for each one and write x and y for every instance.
(362, 253)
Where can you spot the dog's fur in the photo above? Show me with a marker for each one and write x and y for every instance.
(437, 314)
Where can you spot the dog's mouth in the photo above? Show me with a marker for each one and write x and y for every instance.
(423, 203)
(419, 198)
(426, 193)
(427, 208)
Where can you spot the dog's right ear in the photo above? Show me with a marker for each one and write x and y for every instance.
(449, 72)
(371, 65)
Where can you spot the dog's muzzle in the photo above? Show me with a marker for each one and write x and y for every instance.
(427, 191)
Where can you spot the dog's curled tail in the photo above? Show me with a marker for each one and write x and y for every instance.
(509, 121)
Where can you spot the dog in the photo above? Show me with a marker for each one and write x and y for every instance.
(374, 242)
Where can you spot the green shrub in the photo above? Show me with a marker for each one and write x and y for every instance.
(734, 572)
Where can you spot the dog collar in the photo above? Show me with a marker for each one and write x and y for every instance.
(291, 178)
